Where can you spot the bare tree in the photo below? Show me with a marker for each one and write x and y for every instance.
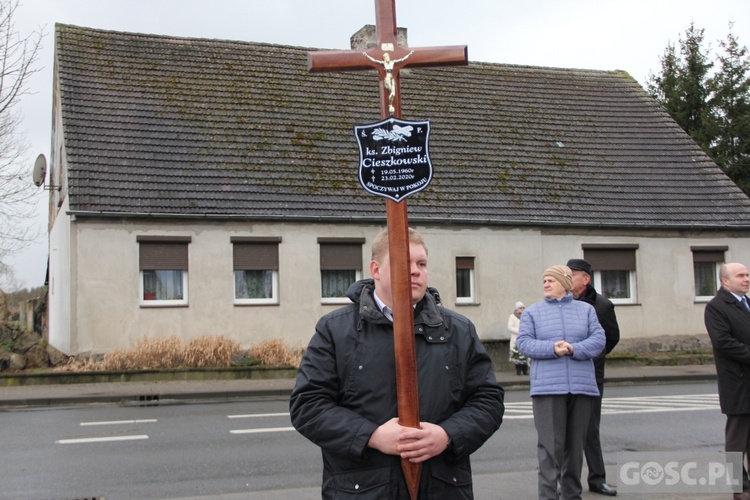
(17, 57)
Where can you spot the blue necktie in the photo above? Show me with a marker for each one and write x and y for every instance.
(744, 303)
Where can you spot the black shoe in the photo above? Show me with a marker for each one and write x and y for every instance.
(603, 489)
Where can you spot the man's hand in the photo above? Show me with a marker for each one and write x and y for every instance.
(416, 445)
(385, 437)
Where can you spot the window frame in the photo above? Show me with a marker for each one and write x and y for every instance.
(337, 300)
(466, 263)
(150, 259)
(254, 301)
(164, 303)
(713, 254)
(597, 278)
(614, 257)
(270, 262)
(327, 265)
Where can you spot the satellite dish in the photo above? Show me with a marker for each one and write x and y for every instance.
(40, 170)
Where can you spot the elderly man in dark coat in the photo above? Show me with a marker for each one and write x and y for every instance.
(605, 312)
(727, 319)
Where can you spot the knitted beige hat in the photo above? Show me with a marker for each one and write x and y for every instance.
(563, 274)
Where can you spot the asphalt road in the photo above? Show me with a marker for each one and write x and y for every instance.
(247, 449)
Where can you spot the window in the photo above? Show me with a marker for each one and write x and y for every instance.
(614, 271)
(163, 263)
(465, 280)
(256, 270)
(706, 263)
(340, 266)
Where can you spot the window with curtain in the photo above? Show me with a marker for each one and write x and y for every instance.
(614, 270)
(163, 265)
(706, 263)
(255, 263)
(465, 280)
(340, 266)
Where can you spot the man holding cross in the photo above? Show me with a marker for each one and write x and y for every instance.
(400, 288)
(345, 397)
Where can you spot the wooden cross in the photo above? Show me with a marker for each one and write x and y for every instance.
(387, 57)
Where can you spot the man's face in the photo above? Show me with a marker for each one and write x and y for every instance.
(738, 281)
(381, 272)
(580, 282)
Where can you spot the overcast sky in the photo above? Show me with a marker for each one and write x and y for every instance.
(628, 35)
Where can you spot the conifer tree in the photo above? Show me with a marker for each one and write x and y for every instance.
(730, 104)
(713, 109)
(664, 87)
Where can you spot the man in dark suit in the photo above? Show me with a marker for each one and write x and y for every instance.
(605, 313)
(727, 319)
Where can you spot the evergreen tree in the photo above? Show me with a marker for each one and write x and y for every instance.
(693, 86)
(713, 110)
(682, 85)
(730, 103)
(664, 87)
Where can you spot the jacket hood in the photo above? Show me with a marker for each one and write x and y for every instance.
(355, 289)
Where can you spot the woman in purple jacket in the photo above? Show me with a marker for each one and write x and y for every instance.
(562, 336)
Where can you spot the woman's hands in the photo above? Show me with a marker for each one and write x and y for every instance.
(563, 348)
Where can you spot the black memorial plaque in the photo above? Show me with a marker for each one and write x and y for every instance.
(394, 161)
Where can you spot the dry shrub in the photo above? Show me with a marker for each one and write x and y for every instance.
(159, 353)
(275, 352)
(118, 360)
(203, 352)
(147, 354)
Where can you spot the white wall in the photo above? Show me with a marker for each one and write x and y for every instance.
(59, 287)
(109, 313)
(509, 262)
(665, 287)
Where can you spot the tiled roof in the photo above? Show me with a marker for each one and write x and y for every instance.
(197, 127)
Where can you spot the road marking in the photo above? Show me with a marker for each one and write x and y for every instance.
(120, 422)
(629, 405)
(660, 404)
(100, 439)
(260, 415)
(262, 431)
(523, 410)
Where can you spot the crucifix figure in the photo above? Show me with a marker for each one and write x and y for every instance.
(316, 402)
(388, 81)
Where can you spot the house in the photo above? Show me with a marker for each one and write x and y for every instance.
(208, 187)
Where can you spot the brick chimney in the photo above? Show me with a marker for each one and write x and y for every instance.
(366, 38)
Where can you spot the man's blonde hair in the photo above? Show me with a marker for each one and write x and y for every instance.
(380, 243)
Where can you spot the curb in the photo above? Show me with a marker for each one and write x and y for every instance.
(134, 399)
(155, 375)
